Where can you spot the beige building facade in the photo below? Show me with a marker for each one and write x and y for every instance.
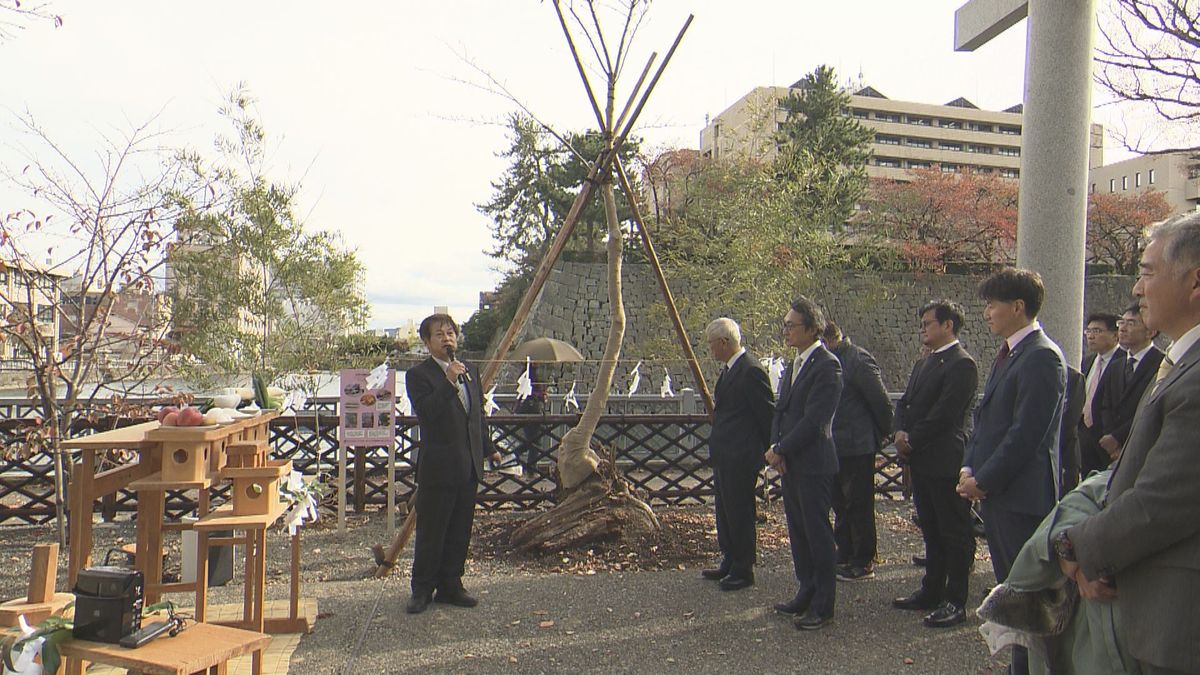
(1176, 174)
(957, 137)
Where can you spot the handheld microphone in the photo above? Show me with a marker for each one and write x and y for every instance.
(465, 377)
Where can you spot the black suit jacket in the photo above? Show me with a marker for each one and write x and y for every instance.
(741, 423)
(935, 411)
(1121, 400)
(1089, 439)
(803, 425)
(864, 413)
(453, 442)
(1017, 428)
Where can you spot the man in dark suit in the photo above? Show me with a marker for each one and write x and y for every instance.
(1009, 464)
(1137, 372)
(802, 452)
(863, 421)
(1143, 548)
(1101, 369)
(446, 396)
(931, 430)
(741, 431)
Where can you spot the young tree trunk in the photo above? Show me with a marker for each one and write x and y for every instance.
(597, 503)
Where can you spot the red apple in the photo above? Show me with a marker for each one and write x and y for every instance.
(191, 417)
(165, 410)
(171, 419)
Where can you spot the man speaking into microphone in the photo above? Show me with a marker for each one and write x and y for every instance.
(446, 396)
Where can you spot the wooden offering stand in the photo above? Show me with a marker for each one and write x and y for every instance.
(189, 458)
(41, 601)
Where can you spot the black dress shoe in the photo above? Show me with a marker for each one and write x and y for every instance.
(796, 605)
(920, 560)
(715, 574)
(419, 602)
(732, 583)
(915, 601)
(810, 620)
(948, 614)
(456, 598)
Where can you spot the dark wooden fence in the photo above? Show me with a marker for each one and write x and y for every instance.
(664, 456)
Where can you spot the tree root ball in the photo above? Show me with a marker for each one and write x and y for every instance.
(602, 508)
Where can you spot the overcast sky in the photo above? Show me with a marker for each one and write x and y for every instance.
(366, 102)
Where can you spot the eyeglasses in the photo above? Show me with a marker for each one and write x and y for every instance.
(1097, 331)
(788, 325)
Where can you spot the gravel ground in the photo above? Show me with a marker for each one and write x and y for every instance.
(607, 612)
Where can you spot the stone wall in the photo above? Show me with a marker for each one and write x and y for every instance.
(878, 312)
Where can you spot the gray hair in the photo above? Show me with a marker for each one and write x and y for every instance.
(1180, 238)
(724, 328)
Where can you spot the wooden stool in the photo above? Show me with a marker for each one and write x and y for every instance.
(200, 648)
(41, 601)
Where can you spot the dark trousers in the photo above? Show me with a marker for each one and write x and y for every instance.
(949, 539)
(854, 511)
(1092, 457)
(1007, 532)
(444, 519)
(806, 502)
(736, 510)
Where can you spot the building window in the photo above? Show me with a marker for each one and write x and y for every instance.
(1009, 131)
(1093, 190)
(918, 143)
(887, 140)
(986, 170)
(951, 124)
(887, 162)
(920, 121)
(45, 313)
(981, 149)
(1124, 182)
(1151, 177)
(976, 126)
(913, 164)
(956, 147)
(1010, 173)
(949, 168)
(1008, 151)
(1112, 184)
(858, 113)
(886, 117)
(3, 276)
(1137, 179)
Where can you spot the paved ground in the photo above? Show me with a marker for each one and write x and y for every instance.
(666, 621)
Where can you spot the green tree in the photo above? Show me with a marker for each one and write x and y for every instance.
(823, 150)
(735, 248)
(532, 197)
(530, 202)
(251, 290)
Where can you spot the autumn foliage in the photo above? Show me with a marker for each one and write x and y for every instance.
(1116, 225)
(939, 218)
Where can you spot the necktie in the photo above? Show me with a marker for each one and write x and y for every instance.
(796, 369)
(1001, 356)
(1093, 382)
(1164, 370)
(1130, 368)
(462, 395)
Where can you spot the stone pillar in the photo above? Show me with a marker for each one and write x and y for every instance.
(1052, 215)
